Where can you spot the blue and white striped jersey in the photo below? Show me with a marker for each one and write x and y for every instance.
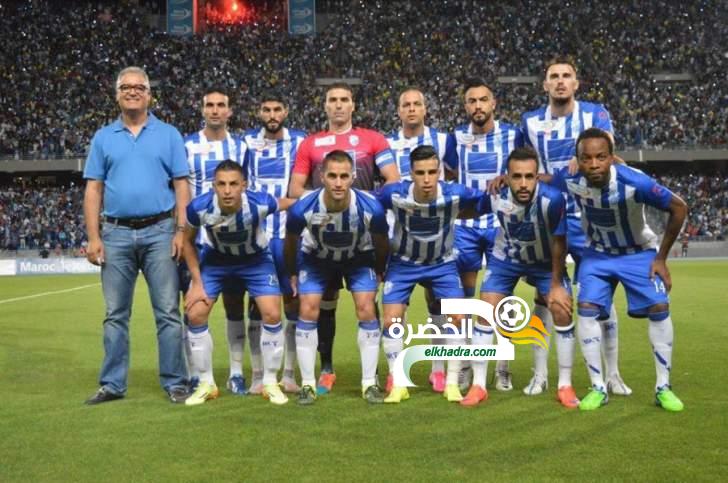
(203, 157)
(423, 232)
(270, 162)
(402, 146)
(527, 230)
(337, 236)
(235, 236)
(613, 217)
(554, 139)
(481, 158)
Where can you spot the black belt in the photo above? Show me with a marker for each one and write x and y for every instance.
(138, 223)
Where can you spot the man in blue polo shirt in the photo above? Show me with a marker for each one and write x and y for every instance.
(137, 169)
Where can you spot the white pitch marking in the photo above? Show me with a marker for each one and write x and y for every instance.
(26, 297)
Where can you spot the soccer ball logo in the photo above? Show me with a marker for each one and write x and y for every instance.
(512, 314)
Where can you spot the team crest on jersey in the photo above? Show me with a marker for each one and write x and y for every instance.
(320, 218)
(354, 140)
(465, 138)
(257, 144)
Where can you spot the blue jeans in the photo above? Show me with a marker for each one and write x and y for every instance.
(126, 252)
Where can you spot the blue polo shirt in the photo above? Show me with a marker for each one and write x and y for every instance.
(137, 172)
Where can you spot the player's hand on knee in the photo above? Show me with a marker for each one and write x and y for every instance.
(195, 294)
(559, 300)
(659, 267)
(95, 252)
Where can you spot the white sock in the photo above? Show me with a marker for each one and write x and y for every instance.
(191, 370)
(236, 345)
(289, 363)
(565, 339)
(482, 335)
(272, 341)
(661, 338)
(590, 338)
(437, 365)
(306, 344)
(392, 347)
(501, 366)
(541, 355)
(453, 366)
(256, 361)
(368, 339)
(610, 342)
(201, 352)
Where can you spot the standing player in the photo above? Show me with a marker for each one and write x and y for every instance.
(271, 152)
(372, 159)
(425, 210)
(620, 247)
(552, 130)
(412, 111)
(531, 216)
(205, 150)
(483, 146)
(234, 256)
(344, 235)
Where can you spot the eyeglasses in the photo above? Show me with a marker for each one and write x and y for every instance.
(140, 88)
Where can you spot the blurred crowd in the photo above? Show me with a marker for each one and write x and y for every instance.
(46, 219)
(59, 63)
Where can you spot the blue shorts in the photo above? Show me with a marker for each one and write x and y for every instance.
(443, 279)
(471, 245)
(502, 277)
(276, 250)
(599, 273)
(315, 275)
(257, 276)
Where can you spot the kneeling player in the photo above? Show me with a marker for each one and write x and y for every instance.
(532, 218)
(425, 210)
(344, 235)
(620, 249)
(235, 256)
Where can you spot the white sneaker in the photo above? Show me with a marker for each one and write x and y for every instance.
(503, 381)
(536, 386)
(616, 385)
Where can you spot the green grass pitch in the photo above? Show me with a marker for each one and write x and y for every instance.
(51, 348)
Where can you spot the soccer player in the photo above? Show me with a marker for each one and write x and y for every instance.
(425, 210)
(234, 256)
(412, 110)
(620, 248)
(372, 159)
(482, 146)
(531, 216)
(552, 130)
(205, 150)
(271, 150)
(344, 235)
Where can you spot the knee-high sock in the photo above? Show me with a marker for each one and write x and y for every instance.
(541, 355)
(256, 361)
(661, 338)
(326, 334)
(201, 352)
(272, 343)
(306, 343)
(368, 339)
(565, 339)
(590, 338)
(453, 366)
(392, 347)
(236, 345)
(482, 335)
(437, 319)
(289, 363)
(188, 355)
(610, 343)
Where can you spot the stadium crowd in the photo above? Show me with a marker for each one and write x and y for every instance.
(59, 62)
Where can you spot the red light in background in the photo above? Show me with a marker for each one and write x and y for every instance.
(227, 12)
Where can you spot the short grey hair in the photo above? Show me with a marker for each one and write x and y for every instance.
(132, 70)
